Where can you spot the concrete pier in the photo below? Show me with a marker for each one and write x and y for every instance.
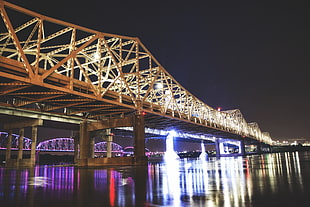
(85, 157)
(20, 161)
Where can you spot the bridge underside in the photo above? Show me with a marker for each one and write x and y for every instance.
(10, 115)
(20, 118)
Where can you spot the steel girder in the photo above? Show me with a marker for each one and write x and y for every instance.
(54, 66)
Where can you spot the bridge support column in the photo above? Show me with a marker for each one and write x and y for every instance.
(136, 121)
(217, 148)
(21, 125)
(84, 144)
(242, 148)
(259, 148)
(20, 146)
(139, 139)
(109, 143)
(76, 150)
(8, 148)
(91, 147)
(33, 146)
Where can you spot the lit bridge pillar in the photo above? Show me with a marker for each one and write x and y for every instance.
(76, 149)
(34, 137)
(8, 148)
(91, 147)
(139, 139)
(242, 147)
(20, 146)
(109, 143)
(84, 144)
(259, 148)
(21, 125)
(217, 147)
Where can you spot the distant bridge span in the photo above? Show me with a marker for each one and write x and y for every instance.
(56, 67)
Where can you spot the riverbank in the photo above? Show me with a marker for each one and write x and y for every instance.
(290, 148)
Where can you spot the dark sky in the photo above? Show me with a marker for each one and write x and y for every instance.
(250, 55)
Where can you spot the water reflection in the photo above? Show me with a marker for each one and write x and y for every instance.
(261, 180)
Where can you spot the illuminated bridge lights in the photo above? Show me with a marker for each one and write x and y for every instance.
(56, 144)
(3, 141)
(67, 144)
(79, 72)
(178, 134)
(103, 147)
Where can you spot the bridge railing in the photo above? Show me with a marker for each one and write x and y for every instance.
(104, 66)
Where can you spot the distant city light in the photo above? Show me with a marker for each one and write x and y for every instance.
(219, 108)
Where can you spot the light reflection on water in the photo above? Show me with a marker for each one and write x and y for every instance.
(279, 179)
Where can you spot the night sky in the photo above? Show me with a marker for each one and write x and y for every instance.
(250, 55)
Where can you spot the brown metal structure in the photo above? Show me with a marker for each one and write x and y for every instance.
(53, 66)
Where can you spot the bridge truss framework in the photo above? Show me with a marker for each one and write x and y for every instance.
(57, 67)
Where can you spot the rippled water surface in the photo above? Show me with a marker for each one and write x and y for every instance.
(279, 179)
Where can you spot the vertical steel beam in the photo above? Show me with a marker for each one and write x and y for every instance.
(259, 148)
(91, 147)
(33, 145)
(76, 150)
(8, 148)
(139, 135)
(84, 144)
(242, 148)
(20, 145)
(217, 147)
(109, 143)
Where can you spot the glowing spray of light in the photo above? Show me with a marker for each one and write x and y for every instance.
(203, 151)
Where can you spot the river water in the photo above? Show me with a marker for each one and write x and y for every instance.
(277, 179)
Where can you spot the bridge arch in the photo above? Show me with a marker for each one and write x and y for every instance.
(57, 144)
(102, 147)
(67, 144)
(53, 144)
(4, 137)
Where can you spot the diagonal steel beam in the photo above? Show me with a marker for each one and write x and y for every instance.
(19, 48)
(71, 55)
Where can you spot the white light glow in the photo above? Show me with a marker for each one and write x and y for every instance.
(159, 85)
(203, 152)
(96, 56)
(170, 153)
(172, 133)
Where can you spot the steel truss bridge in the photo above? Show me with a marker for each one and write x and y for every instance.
(54, 144)
(52, 66)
